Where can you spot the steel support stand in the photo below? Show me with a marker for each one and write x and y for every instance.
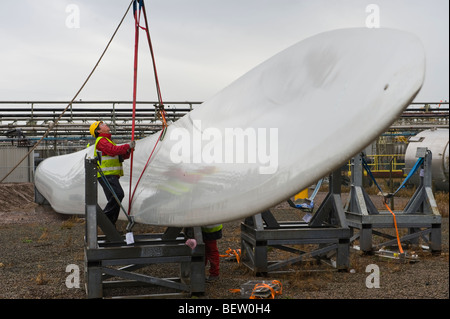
(421, 216)
(327, 229)
(108, 256)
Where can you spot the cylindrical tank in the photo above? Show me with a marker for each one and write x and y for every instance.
(436, 140)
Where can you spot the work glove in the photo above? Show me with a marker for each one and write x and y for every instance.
(132, 144)
(192, 243)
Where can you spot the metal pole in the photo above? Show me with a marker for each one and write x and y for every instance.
(91, 202)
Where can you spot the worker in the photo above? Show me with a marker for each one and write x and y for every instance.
(210, 236)
(111, 165)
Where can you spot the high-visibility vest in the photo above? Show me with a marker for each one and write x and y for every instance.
(110, 165)
(212, 228)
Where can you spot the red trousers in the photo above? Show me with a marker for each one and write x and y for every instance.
(212, 255)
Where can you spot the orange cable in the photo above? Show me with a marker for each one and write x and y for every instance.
(272, 291)
(396, 229)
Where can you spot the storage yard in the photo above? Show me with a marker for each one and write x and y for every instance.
(320, 173)
(38, 245)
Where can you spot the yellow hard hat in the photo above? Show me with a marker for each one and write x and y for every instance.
(94, 127)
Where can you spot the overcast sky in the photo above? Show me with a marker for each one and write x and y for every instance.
(201, 46)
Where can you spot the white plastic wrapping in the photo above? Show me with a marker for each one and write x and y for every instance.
(274, 131)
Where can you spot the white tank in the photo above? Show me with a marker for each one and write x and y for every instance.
(436, 140)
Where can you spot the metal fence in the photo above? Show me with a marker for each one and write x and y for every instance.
(9, 157)
(31, 119)
(23, 123)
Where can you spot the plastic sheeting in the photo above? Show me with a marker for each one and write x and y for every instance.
(271, 133)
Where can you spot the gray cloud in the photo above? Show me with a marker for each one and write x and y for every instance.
(201, 45)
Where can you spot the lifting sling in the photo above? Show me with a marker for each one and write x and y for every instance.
(138, 8)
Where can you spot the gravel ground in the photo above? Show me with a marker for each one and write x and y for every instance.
(37, 245)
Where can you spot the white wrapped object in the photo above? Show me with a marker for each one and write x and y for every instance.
(305, 112)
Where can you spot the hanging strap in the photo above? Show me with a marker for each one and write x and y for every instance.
(137, 16)
(418, 163)
(396, 229)
(160, 107)
(145, 167)
(367, 168)
(316, 189)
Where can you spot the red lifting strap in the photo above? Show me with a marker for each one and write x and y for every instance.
(137, 17)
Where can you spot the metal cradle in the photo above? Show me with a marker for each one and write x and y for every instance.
(420, 216)
(327, 229)
(109, 256)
